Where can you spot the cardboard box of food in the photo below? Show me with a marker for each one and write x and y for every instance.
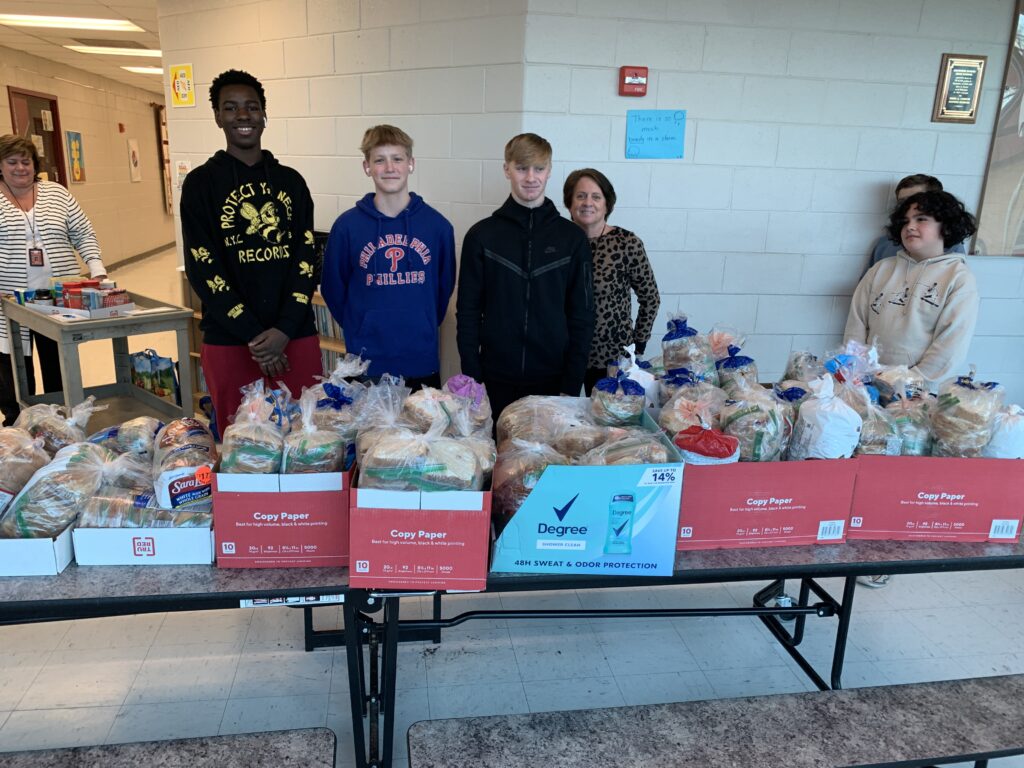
(36, 557)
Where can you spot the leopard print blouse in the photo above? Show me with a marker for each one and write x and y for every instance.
(621, 266)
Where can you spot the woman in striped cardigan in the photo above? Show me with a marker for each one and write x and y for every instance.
(41, 227)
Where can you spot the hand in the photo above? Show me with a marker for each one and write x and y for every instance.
(275, 368)
(100, 277)
(268, 346)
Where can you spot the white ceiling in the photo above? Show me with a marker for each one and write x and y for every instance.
(48, 43)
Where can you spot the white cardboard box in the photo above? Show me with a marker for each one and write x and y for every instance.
(35, 557)
(69, 314)
(143, 546)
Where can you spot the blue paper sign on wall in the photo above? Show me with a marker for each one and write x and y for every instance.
(655, 134)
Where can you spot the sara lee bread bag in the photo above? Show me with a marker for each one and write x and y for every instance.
(183, 459)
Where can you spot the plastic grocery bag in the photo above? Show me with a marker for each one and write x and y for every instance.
(684, 347)
(254, 443)
(964, 416)
(1007, 435)
(826, 427)
(310, 449)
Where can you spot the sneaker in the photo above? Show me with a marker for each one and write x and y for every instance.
(785, 601)
(875, 582)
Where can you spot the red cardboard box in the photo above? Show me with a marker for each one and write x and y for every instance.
(420, 540)
(770, 504)
(281, 521)
(937, 499)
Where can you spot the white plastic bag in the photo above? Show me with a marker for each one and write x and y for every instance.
(826, 427)
(1008, 435)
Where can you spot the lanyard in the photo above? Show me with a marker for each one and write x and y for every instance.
(31, 221)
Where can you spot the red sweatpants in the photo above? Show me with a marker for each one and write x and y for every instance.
(227, 368)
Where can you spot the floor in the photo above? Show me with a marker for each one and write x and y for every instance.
(171, 675)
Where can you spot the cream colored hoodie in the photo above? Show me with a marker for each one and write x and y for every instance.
(921, 313)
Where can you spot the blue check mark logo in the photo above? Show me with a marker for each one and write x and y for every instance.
(621, 528)
(561, 513)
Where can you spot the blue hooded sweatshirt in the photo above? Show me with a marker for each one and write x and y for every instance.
(387, 281)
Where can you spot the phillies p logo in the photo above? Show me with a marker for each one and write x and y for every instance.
(394, 255)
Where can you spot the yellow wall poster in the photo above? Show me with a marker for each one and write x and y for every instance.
(183, 89)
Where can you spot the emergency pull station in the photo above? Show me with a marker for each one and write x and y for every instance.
(632, 81)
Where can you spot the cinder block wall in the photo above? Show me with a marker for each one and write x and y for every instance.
(802, 114)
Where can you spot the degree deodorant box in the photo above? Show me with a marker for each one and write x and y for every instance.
(607, 520)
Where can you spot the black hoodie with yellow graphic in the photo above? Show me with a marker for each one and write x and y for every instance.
(248, 236)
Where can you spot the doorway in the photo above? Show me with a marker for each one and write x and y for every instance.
(36, 117)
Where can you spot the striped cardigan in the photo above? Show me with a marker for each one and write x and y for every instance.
(63, 227)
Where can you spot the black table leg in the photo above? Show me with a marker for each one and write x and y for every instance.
(845, 613)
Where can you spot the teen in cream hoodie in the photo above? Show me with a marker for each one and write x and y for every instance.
(921, 306)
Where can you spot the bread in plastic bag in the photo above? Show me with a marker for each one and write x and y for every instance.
(475, 394)
(516, 472)
(639, 371)
(106, 438)
(310, 449)
(57, 430)
(1007, 434)
(617, 402)
(426, 406)
(963, 418)
(424, 462)
(758, 420)
(694, 399)
(541, 419)
(699, 444)
(897, 382)
(137, 436)
(910, 417)
(116, 508)
(645, 448)
(21, 455)
(253, 444)
(735, 366)
(804, 366)
(183, 457)
(380, 412)
(684, 347)
(826, 427)
(574, 442)
(56, 493)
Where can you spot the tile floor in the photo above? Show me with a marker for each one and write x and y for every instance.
(161, 676)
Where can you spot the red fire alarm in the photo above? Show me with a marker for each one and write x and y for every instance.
(632, 81)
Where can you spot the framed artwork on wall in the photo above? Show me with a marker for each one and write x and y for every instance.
(76, 157)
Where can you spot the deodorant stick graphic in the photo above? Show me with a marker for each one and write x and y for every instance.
(620, 524)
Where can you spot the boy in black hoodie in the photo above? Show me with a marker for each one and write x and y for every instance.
(525, 306)
(247, 227)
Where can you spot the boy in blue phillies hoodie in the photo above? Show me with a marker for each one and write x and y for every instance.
(389, 267)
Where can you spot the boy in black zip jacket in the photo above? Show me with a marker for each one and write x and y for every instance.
(247, 228)
(525, 310)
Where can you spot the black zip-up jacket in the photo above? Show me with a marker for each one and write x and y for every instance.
(526, 301)
(248, 237)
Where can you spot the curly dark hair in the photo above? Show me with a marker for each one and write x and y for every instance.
(957, 224)
(235, 77)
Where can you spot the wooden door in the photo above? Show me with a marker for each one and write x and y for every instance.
(35, 116)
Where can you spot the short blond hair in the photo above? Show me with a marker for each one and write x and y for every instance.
(527, 149)
(384, 135)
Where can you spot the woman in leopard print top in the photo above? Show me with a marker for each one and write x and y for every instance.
(620, 266)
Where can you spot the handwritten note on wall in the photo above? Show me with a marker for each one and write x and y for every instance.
(655, 134)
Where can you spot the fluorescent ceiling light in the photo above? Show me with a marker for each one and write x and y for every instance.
(68, 22)
(145, 70)
(105, 51)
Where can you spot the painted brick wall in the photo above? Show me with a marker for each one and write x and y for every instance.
(802, 114)
(129, 218)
